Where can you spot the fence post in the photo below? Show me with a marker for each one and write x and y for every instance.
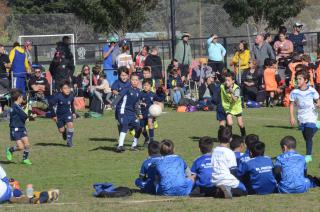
(318, 40)
(131, 48)
(194, 49)
(226, 56)
(36, 54)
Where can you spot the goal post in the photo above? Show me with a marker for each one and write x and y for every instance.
(22, 38)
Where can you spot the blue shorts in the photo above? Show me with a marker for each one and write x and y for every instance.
(63, 120)
(7, 195)
(128, 122)
(146, 186)
(184, 190)
(221, 115)
(308, 125)
(17, 134)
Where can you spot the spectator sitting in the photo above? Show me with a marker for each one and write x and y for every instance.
(206, 90)
(103, 90)
(250, 82)
(39, 85)
(83, 82)
(175, 85)
(173, 64)
(96, 70)
(200, 72)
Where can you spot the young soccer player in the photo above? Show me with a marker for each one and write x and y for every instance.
(146, 100)
(127, 110)
(225, 167)
(146, 71)
(270, 82)
(257, 173)
(122, 82)
(231, 101)
(303, 97)
(237, 146)
(249, 140)
(62, 109)
(18, 131)
(171, 169)
(201, 169)
(290, 169)
(147, 177)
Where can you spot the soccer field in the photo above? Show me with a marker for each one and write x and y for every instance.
(74, 170)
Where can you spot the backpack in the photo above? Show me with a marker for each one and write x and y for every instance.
(108, 190)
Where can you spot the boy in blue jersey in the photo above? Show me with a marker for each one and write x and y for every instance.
(250, 139)
(201, 169)
(122, 82)
(62, 110)
(18, 131)
(128, 113)
(172, 171)
(146, 100)
(237, 146)
(256, 173)
(290, 169)
(147, 178)
(303, 98)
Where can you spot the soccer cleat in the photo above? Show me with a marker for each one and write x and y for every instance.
(132, 132)
(8, 154)
(26, 162)
(226, 191)
(308, 158)
(64, 135)
(134, 148)
(69, 144)
(120, 149)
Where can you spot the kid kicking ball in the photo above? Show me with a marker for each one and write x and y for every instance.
(155, 110)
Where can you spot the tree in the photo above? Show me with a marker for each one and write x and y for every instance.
(117, 16)
(39, 6)
(262, 13)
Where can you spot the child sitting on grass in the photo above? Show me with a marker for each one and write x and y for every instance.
(250, 139)
(201, 169)
(171, 169)
(257, 173)
(290, 169)
(18, 131)
(237, 146)
(147, 177)
(225, 167)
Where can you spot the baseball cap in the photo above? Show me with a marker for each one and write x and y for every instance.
(123, 42)
(112, 39)
(298, 24)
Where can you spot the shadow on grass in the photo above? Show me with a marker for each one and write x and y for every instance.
(50, 144)
(6, 162)
(280, 127)
(103, 139)
(197, 138)
(113, 148)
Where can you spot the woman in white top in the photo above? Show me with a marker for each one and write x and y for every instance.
(125, 59)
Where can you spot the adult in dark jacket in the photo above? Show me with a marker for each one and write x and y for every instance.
(250, 79)
(154, 61)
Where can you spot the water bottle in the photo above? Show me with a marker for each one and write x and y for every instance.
(29, 191)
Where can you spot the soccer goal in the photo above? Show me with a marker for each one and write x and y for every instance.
(47, 43)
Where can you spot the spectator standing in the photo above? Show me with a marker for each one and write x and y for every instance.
(154, 61)
(141, 57)
(4, 65)
(261, 51)
(28, 48)
(109, 53)
(283, 47)
(297, 38)
(125, 59)
(183, 55)
(216, 54)
(241, 59)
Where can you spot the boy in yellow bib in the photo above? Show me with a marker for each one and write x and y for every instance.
(231, 102)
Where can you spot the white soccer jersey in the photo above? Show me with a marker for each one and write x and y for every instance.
(3, 185)
(222, 160)
(304, 100)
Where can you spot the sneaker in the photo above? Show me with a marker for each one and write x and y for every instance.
(64, 135)
(8, 154)
(120, 149)
(226, 191)
(69, 144)
(134, 148)
(308, 158)
(132, 132)
(26, 161)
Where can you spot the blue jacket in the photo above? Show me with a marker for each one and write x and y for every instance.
(293, 168)
(17, 117)
(216, 51)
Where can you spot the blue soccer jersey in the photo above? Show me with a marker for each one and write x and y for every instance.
(128, 103)
(17, 117)
(146, 101)
(172, 177)
(118, 85)
(293, 168)
(148, 174)
(62, 105)
(238, 157)
(257, 175)
(244, 157)
(202, 168)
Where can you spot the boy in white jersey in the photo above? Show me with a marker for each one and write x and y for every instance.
(224, 165)
(304, 97)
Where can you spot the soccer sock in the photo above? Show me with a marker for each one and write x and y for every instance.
(136, 137)
(308, 134)
(135, 142)
(25, 153)
(271, 101)
(121, 138)
(243, 131)
(145, 134)
(230, 127)
(13, 149)
(70, 132)
(151, 134)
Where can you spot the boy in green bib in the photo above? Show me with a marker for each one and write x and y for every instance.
(231, 102)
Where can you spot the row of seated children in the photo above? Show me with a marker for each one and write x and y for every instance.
(221, 172)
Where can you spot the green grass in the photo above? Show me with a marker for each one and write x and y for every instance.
(92, 160)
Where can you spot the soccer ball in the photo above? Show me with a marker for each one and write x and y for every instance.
(155, 110)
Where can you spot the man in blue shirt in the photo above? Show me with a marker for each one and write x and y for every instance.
(147, 178)
(216, 53)
(201, 170)
(109, 53)
(297, 38)
(256, 173)
(290, 169)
